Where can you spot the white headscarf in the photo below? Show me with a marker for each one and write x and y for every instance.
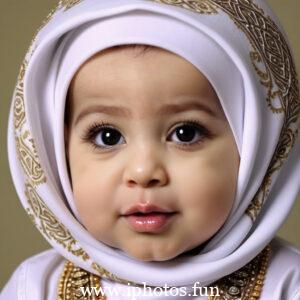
(240, 48)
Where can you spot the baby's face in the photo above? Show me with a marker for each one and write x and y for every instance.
(152, 158)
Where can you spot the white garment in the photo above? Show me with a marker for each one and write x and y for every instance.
(282, 280)
(260, 99)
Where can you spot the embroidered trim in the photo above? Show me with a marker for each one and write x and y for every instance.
(67, 4)
(25, 145)
(200, 6)
(246, 283)
(47, 223)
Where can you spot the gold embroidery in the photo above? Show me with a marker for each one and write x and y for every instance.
(200, 6)
(25, 145)
(47, 223)
(28, 158)
(73, 279)
(67, 4)
(246, 283)
(273, 62)
(19, 117)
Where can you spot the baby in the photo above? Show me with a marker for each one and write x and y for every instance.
(149, 121)
(155, 146)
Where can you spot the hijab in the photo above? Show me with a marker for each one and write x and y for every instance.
(240, 47)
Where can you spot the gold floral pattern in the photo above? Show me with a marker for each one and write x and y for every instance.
(273, 62)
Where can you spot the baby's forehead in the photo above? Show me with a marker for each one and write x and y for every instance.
(129, 55)
(126, 70)
(132, 50)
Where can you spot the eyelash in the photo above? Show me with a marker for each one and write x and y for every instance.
(93, 130)
(203, 131)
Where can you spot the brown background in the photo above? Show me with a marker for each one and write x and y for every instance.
(18, 22)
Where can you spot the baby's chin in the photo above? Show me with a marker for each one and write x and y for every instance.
(151, 256)
(158, 254)
(149, 248)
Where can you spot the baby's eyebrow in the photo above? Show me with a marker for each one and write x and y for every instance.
(117, 111)
(188, 106)
(168, 109)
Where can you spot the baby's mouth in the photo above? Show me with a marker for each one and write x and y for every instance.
(149, 222)
(147, 217)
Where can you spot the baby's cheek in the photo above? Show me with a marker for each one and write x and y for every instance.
(207, 196)
(91, 202)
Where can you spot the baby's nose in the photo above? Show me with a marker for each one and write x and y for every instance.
(146, 169)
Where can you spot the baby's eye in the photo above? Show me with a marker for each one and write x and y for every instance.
(189, 133)
(104, 136)
(108, 137)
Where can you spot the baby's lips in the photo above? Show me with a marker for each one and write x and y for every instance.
(146, 208)
(153, 222)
